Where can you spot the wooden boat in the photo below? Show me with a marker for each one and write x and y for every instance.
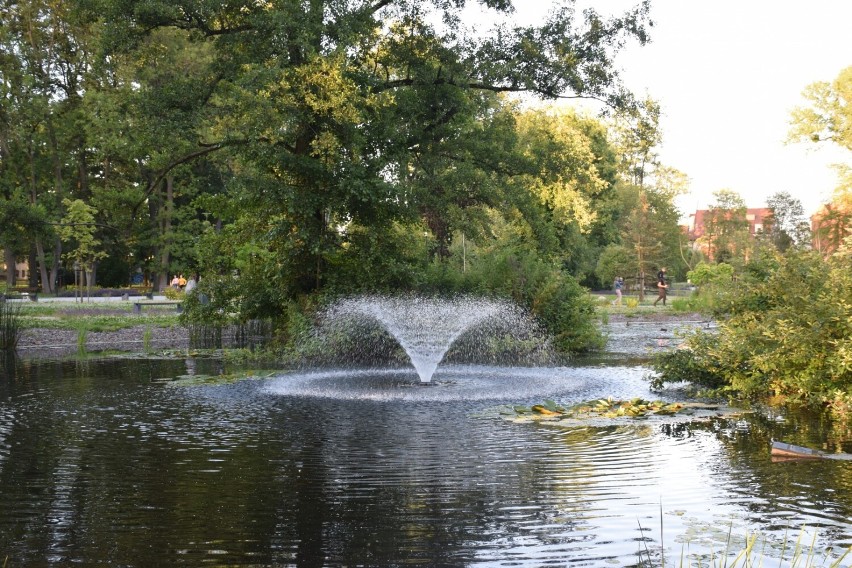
(783, 449)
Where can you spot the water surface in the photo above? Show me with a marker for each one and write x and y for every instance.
(103, 462)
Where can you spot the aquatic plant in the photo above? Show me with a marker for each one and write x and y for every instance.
(146, 339)
(756, 550)
(82, 332)
(604, 407)
(10, 325)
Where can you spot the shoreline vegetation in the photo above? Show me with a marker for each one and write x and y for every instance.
(57, 327)
(50, 328)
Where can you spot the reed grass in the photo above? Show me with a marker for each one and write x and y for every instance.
(146, 339)
(802, 555)
(10, 325)
(82, 333)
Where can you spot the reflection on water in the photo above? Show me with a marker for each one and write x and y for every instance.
(104, 463)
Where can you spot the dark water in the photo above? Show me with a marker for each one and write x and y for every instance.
(101, 463)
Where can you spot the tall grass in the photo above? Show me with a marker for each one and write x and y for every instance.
(82, 334)
(753, 554)
(10, 325)
(146, 339)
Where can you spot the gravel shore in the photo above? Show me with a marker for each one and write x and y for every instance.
(60, 342)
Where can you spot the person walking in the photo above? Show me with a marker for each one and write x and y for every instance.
(618, 284)
(662, 286)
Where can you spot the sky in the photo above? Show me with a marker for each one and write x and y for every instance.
(727, 74)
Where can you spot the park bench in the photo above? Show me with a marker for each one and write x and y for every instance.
(137, 306)
(19, 296)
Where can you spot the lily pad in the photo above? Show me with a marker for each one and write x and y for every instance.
(229, 378)
(609, 410)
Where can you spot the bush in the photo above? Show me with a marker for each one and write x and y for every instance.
(790, 336)
(561, 305)
(173, 294)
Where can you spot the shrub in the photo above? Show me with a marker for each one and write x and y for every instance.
(790, 336)
(559, 303)
(173, 294)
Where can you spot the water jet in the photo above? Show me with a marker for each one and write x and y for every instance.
(427, 327)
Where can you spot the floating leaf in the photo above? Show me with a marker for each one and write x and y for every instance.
(545, 411)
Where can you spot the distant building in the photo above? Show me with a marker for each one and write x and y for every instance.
(758, 222)
(22, 273)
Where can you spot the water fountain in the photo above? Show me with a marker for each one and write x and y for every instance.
(425, 327)
(468, 348)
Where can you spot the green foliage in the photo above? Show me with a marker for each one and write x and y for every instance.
(726, 233)
(173, 294)
(614, 260)
(705, 274)
(215, 300)
(146, 339)
(379, 259)
(82, 334)
(693, 365)
(787, 225)
(556, 299)
(829, 114)
(788, 336)
(693, 303)
(352, 162)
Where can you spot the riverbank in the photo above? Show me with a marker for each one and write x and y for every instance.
(59, 331)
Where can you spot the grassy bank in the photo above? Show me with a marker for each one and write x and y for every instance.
(112, 316)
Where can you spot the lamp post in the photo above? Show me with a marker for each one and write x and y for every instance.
(77, 281)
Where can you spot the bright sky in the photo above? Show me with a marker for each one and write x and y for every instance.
(727, 74)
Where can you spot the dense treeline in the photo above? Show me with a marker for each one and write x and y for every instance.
(289, 149)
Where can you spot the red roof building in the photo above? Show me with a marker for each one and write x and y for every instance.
(758, 220)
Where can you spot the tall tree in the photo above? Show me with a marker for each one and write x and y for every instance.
(309, 93)
(788, 226)
(650, 231)
(726, 235)
(828, 119)
(570, 173)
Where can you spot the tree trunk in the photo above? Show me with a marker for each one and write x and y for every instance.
(54, 267)
(166, 234)
(32, 275)
(9, 259)
(42, 267)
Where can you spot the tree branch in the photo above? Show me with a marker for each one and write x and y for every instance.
(205, 149)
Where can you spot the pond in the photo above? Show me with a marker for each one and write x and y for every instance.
(111, 461)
